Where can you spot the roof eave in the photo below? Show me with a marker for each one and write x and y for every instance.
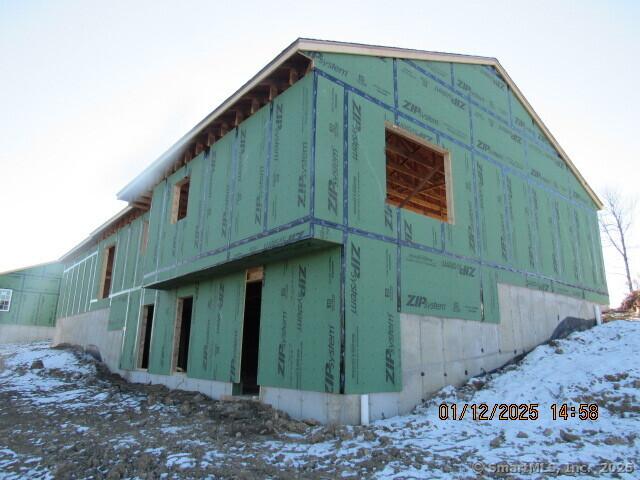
(145, 178)
(129, 192)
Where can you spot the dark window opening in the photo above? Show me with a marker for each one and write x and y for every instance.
(183, 332)
(416, 175)
(144, 240)
(109, 256)
(180, 200)
(251, 335)
(145, 336)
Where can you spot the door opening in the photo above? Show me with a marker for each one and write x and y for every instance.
(107, 271)
(144, 344)
(251, 333)
(182, 333)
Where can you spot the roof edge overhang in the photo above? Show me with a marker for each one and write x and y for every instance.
(91, 238)
(150, 175)
(146, 177)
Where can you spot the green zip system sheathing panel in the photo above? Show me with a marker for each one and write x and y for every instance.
(329, 150)
(216, 329)
(372, 321)
(453, 291)
(162, 334)
(300, 323)
(366, 168)
(34, 295)
(132, 317)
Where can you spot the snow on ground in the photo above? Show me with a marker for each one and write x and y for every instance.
(106, 427)
(600, 366)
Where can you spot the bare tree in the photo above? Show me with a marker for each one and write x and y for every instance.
(615, 222)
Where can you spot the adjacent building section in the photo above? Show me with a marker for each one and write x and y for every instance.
(28, 302)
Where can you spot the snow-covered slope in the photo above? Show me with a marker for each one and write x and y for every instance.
(600, 366)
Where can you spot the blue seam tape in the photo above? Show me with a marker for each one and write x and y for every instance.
(312, 167)
(265, 220)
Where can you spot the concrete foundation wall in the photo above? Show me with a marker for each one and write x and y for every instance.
(324, 407)
(446, 351)
(24, 333)
(180, 381)
(89, 330)
(435, 352)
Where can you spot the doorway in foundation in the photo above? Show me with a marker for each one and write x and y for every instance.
(182, 334)
(144, 343)
(251, 332)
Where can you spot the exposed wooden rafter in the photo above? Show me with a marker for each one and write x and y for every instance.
(282, 78)
(416, 176)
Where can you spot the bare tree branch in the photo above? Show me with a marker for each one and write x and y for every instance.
(615, 222)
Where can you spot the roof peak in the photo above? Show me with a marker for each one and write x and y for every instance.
(390, 50)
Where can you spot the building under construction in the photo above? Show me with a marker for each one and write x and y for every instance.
(354, 228)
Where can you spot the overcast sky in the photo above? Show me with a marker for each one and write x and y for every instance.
(92, 92)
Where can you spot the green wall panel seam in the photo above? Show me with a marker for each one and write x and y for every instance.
(485, 263)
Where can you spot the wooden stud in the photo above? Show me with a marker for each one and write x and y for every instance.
(293, 76)
(273, 91)
(255, 105)
(238, 118)
(140, 205)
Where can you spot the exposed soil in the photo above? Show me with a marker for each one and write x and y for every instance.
(109, 428)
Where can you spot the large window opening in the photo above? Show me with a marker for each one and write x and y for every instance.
(180, 200)
(417, 175)
(251, 332)
(144, 343)
(107, 271)
(182, 334)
